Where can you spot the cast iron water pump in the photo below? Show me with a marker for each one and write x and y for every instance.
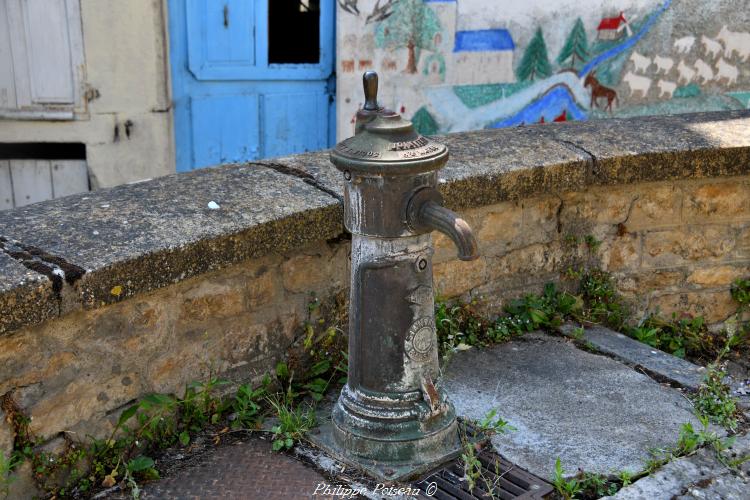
(390, 410)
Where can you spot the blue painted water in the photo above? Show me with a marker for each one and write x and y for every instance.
(550, 105)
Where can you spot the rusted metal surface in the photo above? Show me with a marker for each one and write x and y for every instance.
(390, 411)
(244, 470)
(499, 479)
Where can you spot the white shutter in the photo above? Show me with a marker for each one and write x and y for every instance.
(48, 50)
(41, 58)
(32, 181)
(7, 76)
(69, 177)
(6, 187)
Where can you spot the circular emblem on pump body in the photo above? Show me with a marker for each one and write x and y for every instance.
(420, 340)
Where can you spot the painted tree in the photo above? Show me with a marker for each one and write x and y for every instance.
(535, 62)
(576, 48)
(412, 24)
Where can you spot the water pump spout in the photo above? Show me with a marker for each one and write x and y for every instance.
(426, 212)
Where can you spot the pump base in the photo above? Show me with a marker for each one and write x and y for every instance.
(390, 471)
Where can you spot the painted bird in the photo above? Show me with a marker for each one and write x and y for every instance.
(349, 6)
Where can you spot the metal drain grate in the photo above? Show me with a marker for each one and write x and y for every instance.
(500, 479)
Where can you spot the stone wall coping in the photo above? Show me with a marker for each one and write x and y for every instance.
(89, 250)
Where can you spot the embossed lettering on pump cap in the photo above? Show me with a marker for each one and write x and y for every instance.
(386, 143)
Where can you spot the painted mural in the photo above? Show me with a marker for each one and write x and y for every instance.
(454, 65)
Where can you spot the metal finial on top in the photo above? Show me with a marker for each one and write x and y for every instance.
(370, 83)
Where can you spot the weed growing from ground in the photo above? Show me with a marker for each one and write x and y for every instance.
(490, 425)
(715, 401)
(246, 405)
(688, 442)
(293, 422)
(566, 488)
(601, 302)
(460, 326)
(7, 465)
(493, 424)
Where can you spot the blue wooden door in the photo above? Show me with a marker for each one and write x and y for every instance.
(251, 78)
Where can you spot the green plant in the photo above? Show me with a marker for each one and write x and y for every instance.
(592, 243)
(246, 404)
(678, 336)
(646, 335)
(597, 485)
(293, 423)
(741, 293)
(471, 464)
(566, 488)
(688, 442)
(714, 399)
(625, 477)
(493, 424)
(199, 406)
(578, 333)
(7, 466)
(601, 302)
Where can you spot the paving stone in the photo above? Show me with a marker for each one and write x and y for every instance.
(697, 476)
(637, 353)
(591, 411)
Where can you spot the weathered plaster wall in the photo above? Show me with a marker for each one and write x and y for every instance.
(125, 51)
(478, 64)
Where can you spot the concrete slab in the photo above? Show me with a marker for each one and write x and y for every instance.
(637, 353)
(591, 411)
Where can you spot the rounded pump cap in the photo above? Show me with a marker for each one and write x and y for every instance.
(384, 143)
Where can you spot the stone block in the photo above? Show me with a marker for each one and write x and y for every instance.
(540, 222)
(211, 301)
(743, 242)
(621, 253)
(456, 277)
(87, 397)
(322, 270)
(655, 205)
(594, 206)
(659, 279)
(676, 247)
(714, 306)
(726, 200)
(262, 289)
(717, 276)
(536, 259)
(500, 229)
(23, 486)
(636, 353)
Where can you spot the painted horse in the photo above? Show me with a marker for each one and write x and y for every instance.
(598, 91)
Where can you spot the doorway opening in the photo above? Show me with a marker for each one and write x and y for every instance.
(294, 31)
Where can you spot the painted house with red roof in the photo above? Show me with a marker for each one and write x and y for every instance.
(612, 28)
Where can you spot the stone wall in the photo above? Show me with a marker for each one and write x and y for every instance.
(671, 246)
(143, 288)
